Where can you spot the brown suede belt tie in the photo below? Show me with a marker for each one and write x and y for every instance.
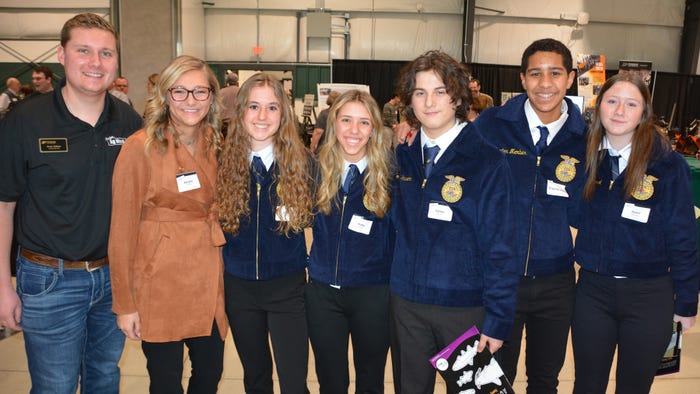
(49, 261)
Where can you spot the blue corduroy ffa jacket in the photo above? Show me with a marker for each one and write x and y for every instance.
(615, 241)
(341, 256)
(466, 261)
(259, 251)
(546, 189)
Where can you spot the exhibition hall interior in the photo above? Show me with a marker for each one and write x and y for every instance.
(317, 46)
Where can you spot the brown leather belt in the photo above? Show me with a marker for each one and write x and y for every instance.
(49, 261)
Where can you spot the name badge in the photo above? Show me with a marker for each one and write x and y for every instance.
(281, 214)
(53, 145)
(360, 225)
(633, 212)
(187, 181)
(440, 212)
(556, 189)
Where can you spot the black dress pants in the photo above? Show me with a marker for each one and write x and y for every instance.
(418, 332)
(260, 311)
(333, 315)
(544, 310)
(633, 315)
(164, 364)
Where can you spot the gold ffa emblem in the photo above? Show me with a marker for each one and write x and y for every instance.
(452, 190)
(645, 189)
(566, 170)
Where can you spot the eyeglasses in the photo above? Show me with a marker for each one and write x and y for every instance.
(181, 94)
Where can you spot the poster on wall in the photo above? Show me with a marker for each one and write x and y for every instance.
(505, 96)
(325, 88)
(641, 68)
(591, 76)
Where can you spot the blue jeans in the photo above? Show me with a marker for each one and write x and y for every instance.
(69, 329)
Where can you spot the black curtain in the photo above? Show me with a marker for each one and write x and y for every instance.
(682, 90)
(379, 75)
(495, 79)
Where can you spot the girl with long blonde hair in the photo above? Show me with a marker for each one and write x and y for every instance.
(348, 290)
(165, 242)
(265, 197)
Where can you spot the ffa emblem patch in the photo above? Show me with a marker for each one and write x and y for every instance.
(566, 170)
(452, 190)
(645, 189)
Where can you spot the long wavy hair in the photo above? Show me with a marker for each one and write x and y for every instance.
(293, 163)
(454, 75)
(643, 140)
(157, 115)
(380, 164)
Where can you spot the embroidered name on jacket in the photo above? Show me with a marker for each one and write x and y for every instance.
(513, 151)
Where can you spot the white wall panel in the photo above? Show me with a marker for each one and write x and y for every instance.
(33, 25)
(435, 32)
(264, 4)
(231, 36)
(503, 43)
(662, 12)
(394, 29)
(37, 51)
(426, 6)
(193, 36)
(56, 4)
(225, 43)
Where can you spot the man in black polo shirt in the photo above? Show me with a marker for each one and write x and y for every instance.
(57, 152)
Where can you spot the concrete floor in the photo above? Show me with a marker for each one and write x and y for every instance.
(14, 377)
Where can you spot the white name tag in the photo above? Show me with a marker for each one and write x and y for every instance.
(360, 225)
(633, 212)
(187, 181)
(556, 189)
(281, 214)
(440, 212)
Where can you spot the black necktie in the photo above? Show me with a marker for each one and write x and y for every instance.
(542, 143)
(259, 169)
(350, 177)
(615, 166)
(429, 155)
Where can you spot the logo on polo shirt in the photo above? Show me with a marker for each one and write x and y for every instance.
(115, 141)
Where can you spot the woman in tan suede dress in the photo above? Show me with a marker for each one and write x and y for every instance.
(165, 243)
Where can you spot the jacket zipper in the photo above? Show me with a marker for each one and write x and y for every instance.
(257, 233)
(340, 231)
(532, 215)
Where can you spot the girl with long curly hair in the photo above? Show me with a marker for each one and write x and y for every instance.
(636, 244)
(265, 197)
(165, 240)
(348, 290)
